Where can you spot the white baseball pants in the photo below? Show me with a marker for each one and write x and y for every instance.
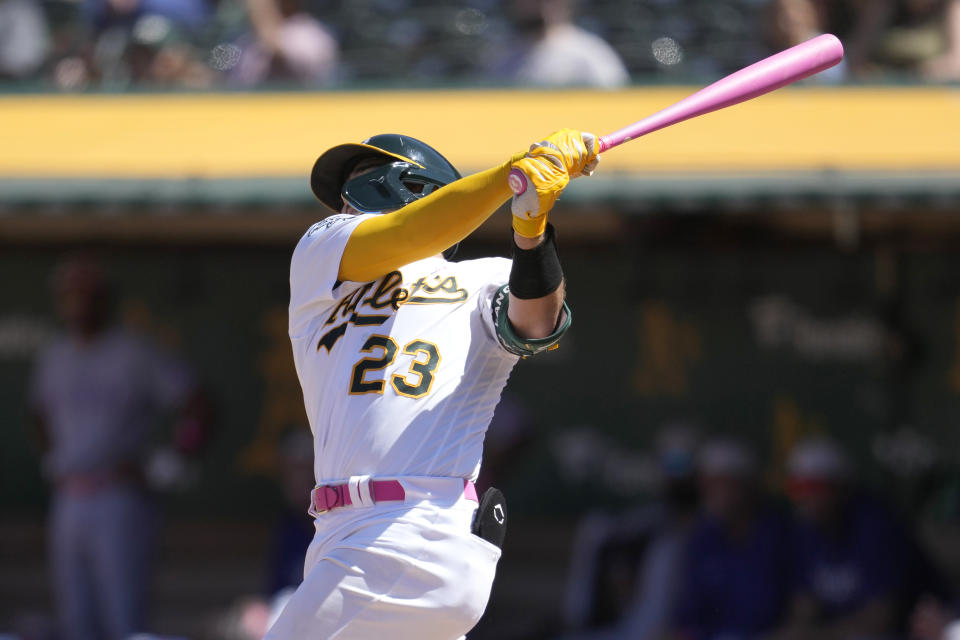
(395, 570)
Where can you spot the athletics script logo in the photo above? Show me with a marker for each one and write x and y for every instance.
(374, 303)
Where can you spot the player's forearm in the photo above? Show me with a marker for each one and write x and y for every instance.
(425, 227)
(536, 318)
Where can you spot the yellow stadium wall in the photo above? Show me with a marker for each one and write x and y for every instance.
(232, 135)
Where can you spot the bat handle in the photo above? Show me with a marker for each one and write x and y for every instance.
(517, 181)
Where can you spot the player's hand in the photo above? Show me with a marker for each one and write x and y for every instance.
(548, 167)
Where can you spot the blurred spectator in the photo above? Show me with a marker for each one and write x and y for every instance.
(24, 38)
(556, 52)
(920, 38)
(857, 571)
(189, 15)
(96, 394)
(924, 37)
(161, 54)
(791, 22)
(651, 538)
(738, 566)
(286, 45)
(140, 43)
(656, 533)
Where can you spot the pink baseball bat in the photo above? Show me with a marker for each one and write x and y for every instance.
(779, 70)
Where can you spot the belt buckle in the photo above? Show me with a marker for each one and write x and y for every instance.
(328, 504)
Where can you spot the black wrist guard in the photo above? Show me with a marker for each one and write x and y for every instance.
(536, 272)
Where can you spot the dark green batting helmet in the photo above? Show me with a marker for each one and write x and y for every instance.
(410, 170)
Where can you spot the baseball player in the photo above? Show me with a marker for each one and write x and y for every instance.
(402, 356)
(96, 394)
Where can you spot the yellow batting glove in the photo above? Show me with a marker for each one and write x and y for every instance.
(542, 182)
(576, 150)
(540, 175)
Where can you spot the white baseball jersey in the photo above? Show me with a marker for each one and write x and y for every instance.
(400, 376)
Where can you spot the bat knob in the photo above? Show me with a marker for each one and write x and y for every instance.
(517, 181)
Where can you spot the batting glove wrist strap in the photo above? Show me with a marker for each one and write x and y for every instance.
(536, 272)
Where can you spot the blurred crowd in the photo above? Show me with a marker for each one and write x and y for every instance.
(717, 557)
(73, 45)
(728, 548)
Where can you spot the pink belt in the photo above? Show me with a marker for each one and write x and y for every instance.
(369, 492)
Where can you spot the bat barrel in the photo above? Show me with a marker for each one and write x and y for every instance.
(779, 70)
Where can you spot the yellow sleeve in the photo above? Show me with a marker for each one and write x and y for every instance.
(425, 227)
